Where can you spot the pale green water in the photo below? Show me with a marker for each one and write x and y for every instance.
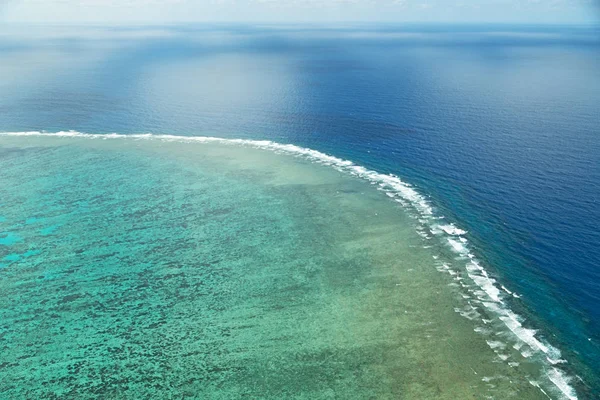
(142, 269)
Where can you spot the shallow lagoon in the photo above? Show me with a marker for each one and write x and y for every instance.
(152, 268)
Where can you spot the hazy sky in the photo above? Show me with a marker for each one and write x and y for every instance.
(169, 11)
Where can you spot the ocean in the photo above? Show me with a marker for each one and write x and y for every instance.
(266, 211)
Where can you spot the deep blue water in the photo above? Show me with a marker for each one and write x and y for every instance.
(499, 125)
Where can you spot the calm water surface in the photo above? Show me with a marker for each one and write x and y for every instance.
(498, 125)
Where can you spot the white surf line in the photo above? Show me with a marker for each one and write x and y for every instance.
(403, 193)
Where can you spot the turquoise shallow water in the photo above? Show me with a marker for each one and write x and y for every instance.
(174, 268)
